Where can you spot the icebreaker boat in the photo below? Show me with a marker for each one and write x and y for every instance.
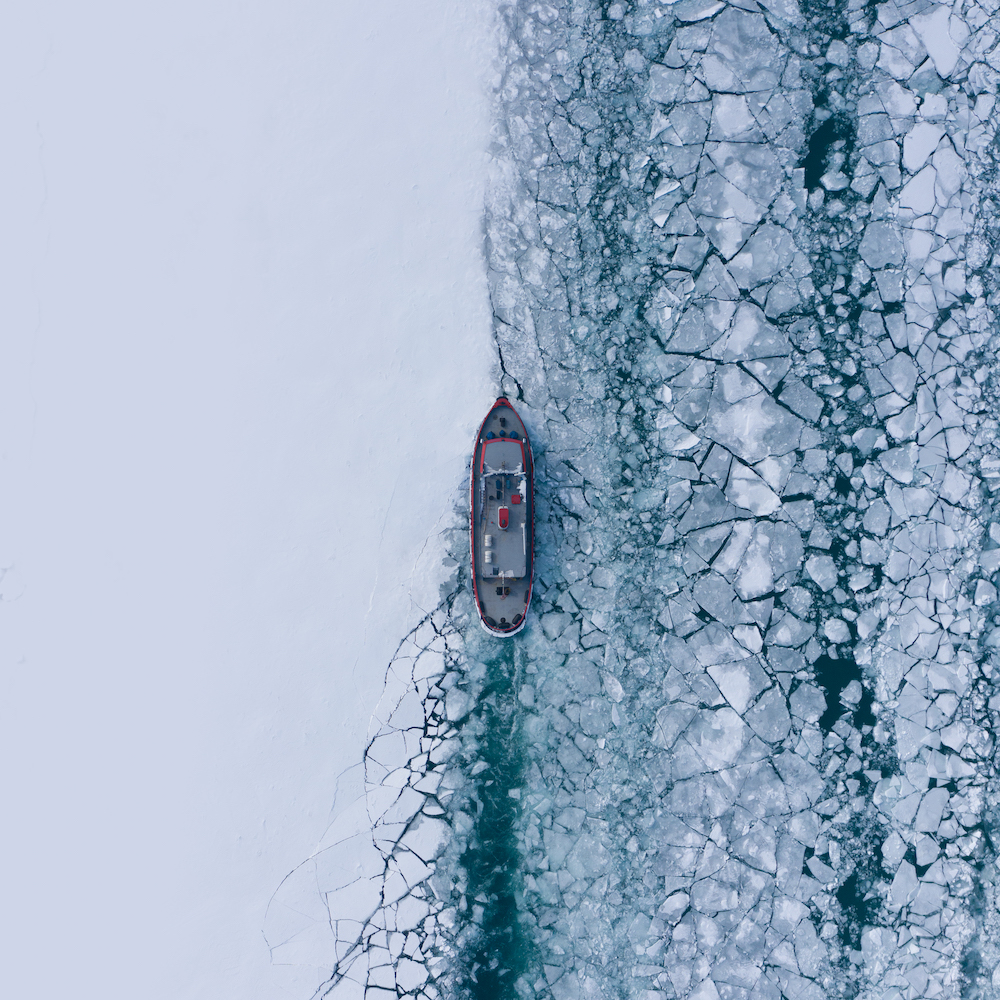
(503, 526)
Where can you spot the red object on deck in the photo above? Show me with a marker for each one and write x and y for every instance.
(503, 518)
(516, 498)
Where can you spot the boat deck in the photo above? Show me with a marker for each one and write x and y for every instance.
(504, 538)
(502, 512)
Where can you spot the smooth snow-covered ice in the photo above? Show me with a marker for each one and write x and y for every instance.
(246, 342)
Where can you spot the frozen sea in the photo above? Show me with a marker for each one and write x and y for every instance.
(243, 292)
(735, 264)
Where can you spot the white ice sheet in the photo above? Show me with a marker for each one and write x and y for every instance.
(243, 285)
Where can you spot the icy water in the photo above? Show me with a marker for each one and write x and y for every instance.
(741, 260)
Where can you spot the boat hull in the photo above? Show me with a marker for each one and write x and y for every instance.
(502, 521)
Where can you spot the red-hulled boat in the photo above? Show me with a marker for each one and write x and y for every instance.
(503, 520)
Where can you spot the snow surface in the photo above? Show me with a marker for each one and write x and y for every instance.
(245, 348)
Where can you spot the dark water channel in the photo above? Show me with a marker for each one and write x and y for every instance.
(498, 953)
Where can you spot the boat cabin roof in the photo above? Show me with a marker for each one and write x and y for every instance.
(503, 455)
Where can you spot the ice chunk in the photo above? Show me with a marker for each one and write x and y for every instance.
(714, 644)
(786, 548)
(755, 170)
(718, 598)
(753, 428)
(893, 850)
(910, 737)
(425, 837)
(898, 462)
(823, 571)
(691, 11)
(932, 806)
(706, 989)
(802, 400)
(694, 332)
(756, 576)
(919, 143)
(709, 506)
(876, 519)
(717, 737)
(769, 718)
(788, 630)
(728, 561)
(458, 703)
(733, 384)
(743, 57)
(950, 170)
(836, 630)
(716, 466)
(878, 948)
(955, 736)
(725, 213)
(918, 194)
(894, 62)
(765, 254)
(666, 85)
(851, 694)
(809, 949)
(731, 118)
(872, 554)
(686, 123)
(808, 702)
(985, 594)
(927, 850)
(903, 425)
(881, 245)
(751, 336)
(904, 886)
(747, 490)
(934, 107)
(901, 373)
(738, 683)
(933, 29)
(775, 470)
(674, 906)
(713, 895)
(671, 721)
(757, 847)
(588, 859)
(675, 438)
(929, 899)
(749, 636)
(803, 784)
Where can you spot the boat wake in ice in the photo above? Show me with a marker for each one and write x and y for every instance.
(740, 260)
